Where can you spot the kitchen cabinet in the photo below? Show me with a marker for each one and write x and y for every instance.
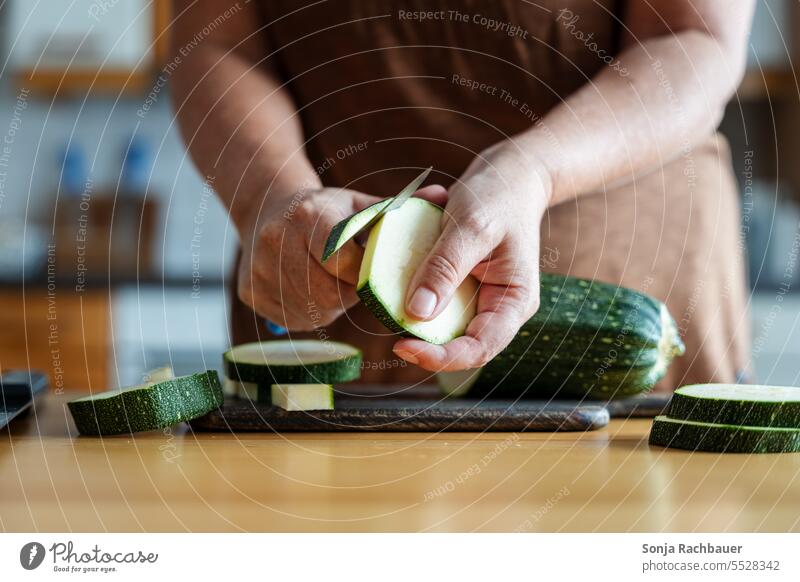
(58, 331)
(105, 337)
(88, 46)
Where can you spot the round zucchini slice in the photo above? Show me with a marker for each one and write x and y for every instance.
(745, 404)
(148, 406)
(293, 362)
(723, 438)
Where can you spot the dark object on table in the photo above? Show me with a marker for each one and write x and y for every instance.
(642, 406)
(366, 408)
(18, 389)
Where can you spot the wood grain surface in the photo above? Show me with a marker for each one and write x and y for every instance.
(179, 480)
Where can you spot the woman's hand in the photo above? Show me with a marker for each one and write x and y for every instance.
(281, 275)
(490, 231)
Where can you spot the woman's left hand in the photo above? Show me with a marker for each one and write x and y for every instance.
(490, 231)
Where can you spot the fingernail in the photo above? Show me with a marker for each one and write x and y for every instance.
(422, 303)
(407, 356)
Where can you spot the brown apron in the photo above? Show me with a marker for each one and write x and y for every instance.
(384, 91)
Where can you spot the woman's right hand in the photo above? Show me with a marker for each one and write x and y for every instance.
(281, 275)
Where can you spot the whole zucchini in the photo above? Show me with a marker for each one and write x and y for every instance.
(588, 340)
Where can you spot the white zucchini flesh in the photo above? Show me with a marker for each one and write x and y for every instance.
(247, 390)
(457, 383)
(290, 352)
(748, 404)
(742, 392)
(396, 248)
(297, 397)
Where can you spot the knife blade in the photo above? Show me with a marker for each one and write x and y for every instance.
(396, 202)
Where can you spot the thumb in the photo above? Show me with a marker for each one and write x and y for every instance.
(455, 254)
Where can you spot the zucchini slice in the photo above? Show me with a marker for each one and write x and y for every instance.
(396, 247)
(347, 228)
(723, 438)
(293, 362)
(751, 405)
(588, 340)
(302, 396)
(147, 407)
(236, 389)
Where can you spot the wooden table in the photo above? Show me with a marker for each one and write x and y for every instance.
(607, 480)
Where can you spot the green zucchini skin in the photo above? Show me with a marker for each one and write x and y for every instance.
(148, 407)
(723, 438)
(335, 241)
(736, 412)
(344, 369)
(376, 307)
(588, 340)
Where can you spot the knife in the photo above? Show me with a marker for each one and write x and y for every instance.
(18, 389)
(397, 202)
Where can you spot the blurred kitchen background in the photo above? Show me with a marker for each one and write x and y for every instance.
(128, 271)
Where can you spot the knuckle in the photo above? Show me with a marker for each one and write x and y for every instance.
(477, 224)
(522, 300)
(270, 236)
(443, 269)
(303, 210)
(485, 355)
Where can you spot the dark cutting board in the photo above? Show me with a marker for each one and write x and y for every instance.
(644, 406)
(372, 408)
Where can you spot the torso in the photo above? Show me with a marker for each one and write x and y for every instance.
(384, 90)
(380, 97)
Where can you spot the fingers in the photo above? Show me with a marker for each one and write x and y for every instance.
(289, 303)
(501, 312)
(291, 289)
(318, 221)
(361, 201)
(459, 248)
(434, 193)
(346, 263)
(310, 297)
(325, 292)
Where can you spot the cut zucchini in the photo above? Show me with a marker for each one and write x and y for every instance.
(293, 362)
(147, 407)
(459, 383)
(588, 340)
(302, 396)
(236, 389)
(767, 406)
(723, 438)
(396, 247)
(349, 227)
(159, 375)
